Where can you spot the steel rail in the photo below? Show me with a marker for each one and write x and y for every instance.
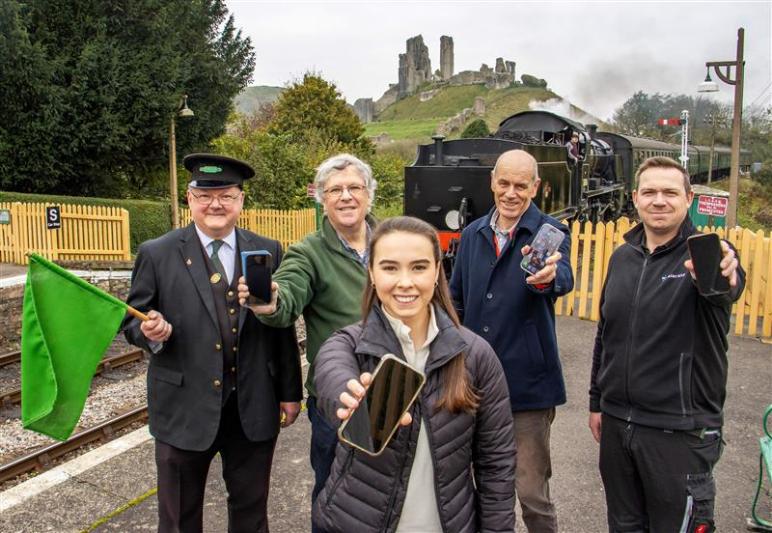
(13, 397)
(41, 459)
(9, 358)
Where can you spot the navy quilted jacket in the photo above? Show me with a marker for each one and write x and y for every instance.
(473, 454)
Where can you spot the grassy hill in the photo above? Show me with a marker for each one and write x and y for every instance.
(251, 98)
(412, 119)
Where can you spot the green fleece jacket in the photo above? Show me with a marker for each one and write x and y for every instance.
(320, 279)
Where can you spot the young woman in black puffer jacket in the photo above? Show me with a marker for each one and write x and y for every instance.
(451, 467)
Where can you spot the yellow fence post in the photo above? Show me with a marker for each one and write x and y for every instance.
(766, 325)
(597, 274)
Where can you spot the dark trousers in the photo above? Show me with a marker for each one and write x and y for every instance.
(658, 481)
(324, 439)
(246, 468)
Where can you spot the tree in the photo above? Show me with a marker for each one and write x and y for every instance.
(88, 88)
(476, 129)
(638, 115)
(314, 107)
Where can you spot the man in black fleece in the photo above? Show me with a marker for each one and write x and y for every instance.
(659, 366)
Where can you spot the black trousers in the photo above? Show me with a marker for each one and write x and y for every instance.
(246, 468)
(658, 481)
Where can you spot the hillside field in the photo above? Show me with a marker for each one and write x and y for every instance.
(411, 118)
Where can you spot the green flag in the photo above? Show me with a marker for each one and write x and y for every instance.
(67, 324)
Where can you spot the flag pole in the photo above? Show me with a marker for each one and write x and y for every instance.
(137, 314)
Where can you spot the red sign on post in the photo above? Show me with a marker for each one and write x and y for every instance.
(712, 205)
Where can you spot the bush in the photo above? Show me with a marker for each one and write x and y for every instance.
(533, 81)
(147, 219)
(475, 130)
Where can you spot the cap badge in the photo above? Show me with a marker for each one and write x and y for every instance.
(210, 169)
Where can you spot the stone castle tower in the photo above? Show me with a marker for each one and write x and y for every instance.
(415, 67)
(446, 57)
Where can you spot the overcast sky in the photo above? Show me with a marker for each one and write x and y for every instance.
(596, 54)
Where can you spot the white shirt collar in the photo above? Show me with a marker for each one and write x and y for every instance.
(206, 240)
(403, 331)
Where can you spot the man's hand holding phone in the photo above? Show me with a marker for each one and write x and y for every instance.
(546, 275)
(728, 264)
(356, 391)
(246, 299)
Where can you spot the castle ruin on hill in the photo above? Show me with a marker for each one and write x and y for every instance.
(415, 74)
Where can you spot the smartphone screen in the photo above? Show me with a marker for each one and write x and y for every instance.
(257, 267)
(394, 388)
(545, 244)
(705, 253)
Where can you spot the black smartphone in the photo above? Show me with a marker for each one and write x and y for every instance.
(393, 389)
(705, 253)
(257, 267)
(544, 245)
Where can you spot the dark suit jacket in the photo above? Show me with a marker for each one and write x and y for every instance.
(184, 401)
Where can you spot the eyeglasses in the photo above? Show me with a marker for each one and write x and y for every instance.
(224, 199)
(353, 190)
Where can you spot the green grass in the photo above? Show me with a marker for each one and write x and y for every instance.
(446, 103)
(505, 102)
(421, 129)
(415, 120)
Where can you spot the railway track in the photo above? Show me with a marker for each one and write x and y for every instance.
(9, 358)
(42, 459)
(13, 397)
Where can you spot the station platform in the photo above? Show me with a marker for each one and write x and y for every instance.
(113, 490)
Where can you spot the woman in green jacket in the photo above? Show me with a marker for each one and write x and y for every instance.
(322, 278)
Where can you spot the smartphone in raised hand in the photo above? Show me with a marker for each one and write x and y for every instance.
(705, 253)
(393, 389)
(544, 245)
(257, 266)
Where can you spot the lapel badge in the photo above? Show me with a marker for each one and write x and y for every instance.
(188, 262)
(215, 278)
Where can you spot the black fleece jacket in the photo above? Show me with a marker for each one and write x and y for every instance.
(660, 350)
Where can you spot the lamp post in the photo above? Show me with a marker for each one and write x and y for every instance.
(709, 86)
(183, 111)
(713, 120)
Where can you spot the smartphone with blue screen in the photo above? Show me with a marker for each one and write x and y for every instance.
(256, 266)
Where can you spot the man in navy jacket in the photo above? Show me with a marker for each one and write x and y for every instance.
(514, 312)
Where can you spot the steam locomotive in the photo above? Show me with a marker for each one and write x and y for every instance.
(448, 185)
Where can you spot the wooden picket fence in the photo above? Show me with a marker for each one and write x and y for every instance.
(87, 232)
(286, 226)
(591, 248)
(102, 233)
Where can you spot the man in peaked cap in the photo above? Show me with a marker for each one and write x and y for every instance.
(219, 381)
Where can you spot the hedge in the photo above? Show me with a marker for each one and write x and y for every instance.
(147, 219)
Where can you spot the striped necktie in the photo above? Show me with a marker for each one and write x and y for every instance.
(216, 245)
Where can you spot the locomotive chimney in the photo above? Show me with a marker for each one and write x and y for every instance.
(438, 149)
(592, 129)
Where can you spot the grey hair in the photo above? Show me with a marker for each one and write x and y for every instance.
(535, 164)
(337, 163)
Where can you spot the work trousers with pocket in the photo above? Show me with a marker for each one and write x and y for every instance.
(658, 481)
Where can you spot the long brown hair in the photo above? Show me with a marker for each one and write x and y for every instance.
(457, 392)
